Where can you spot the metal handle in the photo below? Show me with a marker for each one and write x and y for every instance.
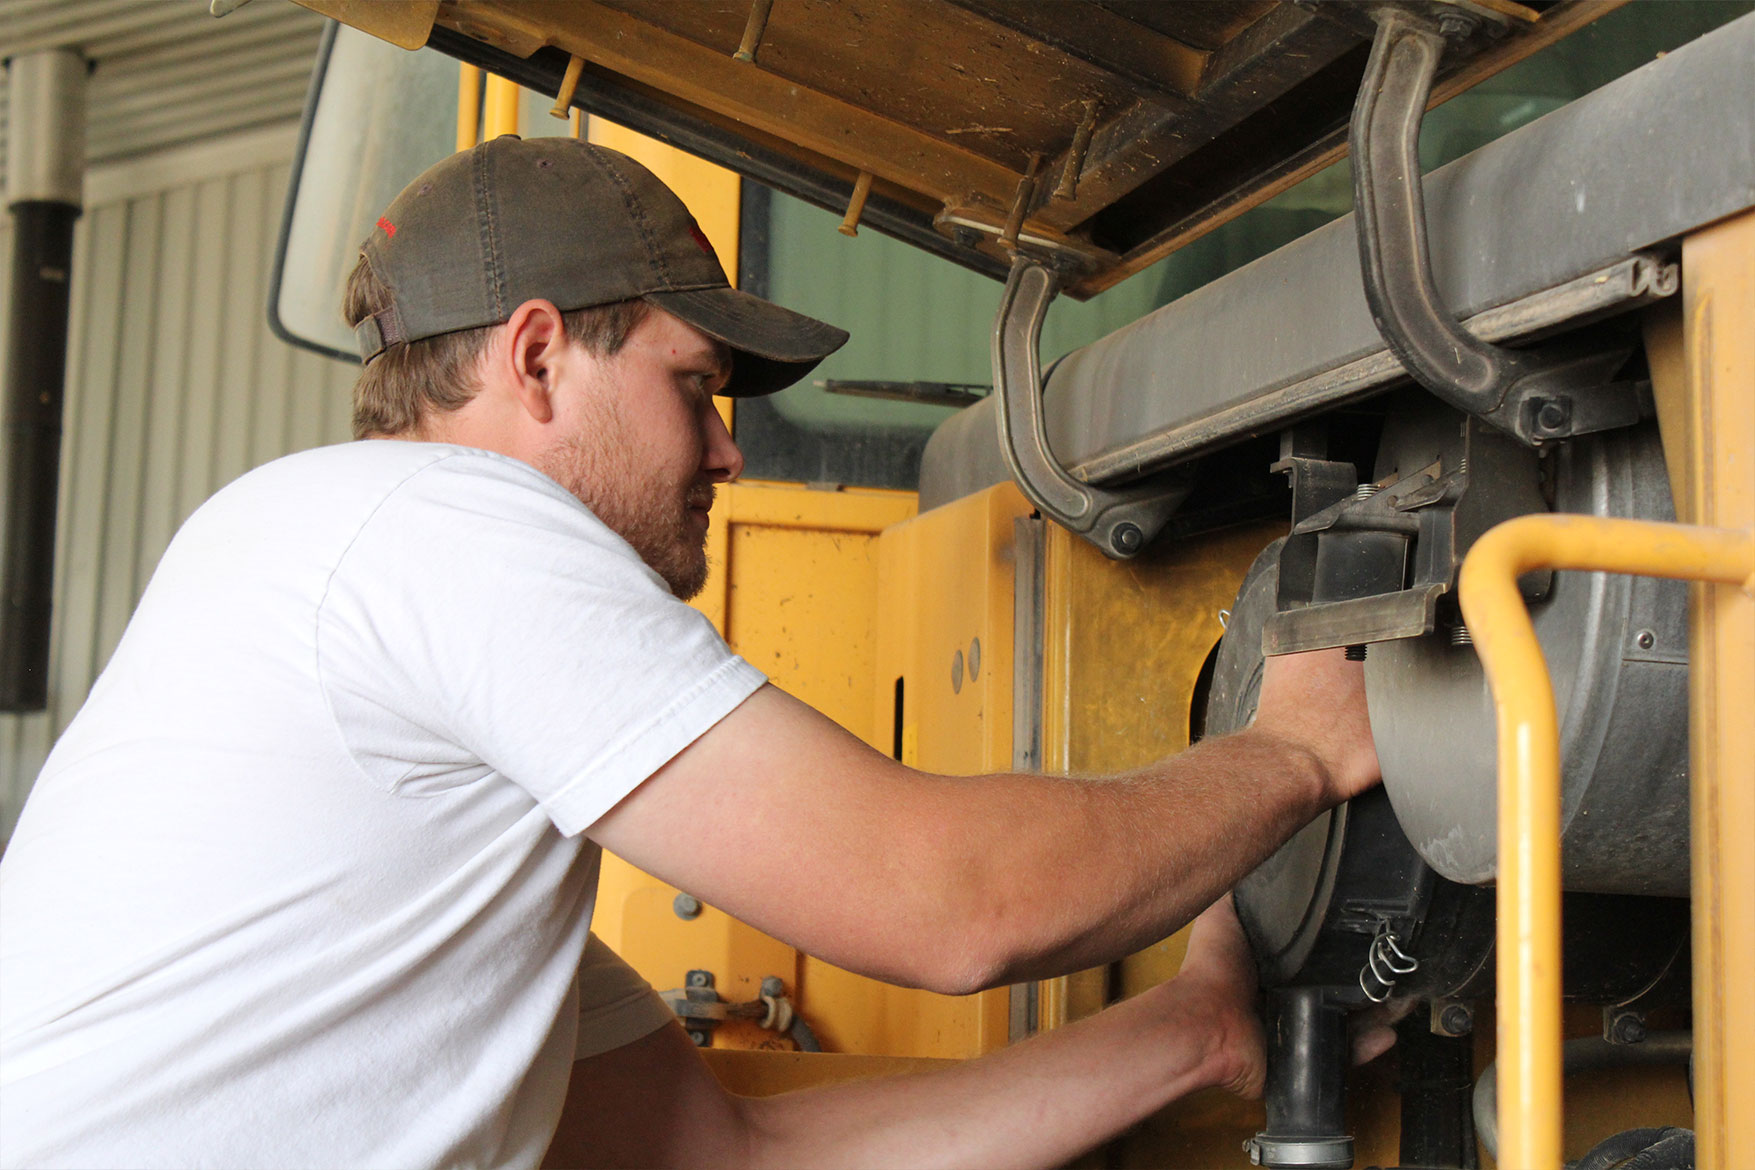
(1536, 395)
(1121, 523)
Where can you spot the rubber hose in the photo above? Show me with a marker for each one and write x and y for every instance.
(1581, 1055)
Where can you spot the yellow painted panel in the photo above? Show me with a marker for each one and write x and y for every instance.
(802, 608)
(947, 592)
(945, 587)
(1128, 641)
(1703, 375)
(794, 505)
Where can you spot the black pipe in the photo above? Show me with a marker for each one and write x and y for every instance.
(1306, 1093)
(36, 364)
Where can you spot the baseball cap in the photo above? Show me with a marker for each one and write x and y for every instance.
(559, 219)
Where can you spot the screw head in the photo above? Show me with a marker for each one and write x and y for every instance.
(700, 979)
(1126, 539)
(1645, 639)
(700, 1038)
(1456, 1020)
(1552, 416)
(687, 906)
(773, 985)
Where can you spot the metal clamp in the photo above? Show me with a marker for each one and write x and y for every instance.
(1121, 523)
(1531, 394)
(1386, 962)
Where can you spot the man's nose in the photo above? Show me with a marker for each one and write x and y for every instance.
(722, 461)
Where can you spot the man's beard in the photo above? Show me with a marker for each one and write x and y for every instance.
(654, 518)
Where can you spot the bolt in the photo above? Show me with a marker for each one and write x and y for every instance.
(700, 1038)
(687, 906)
(1365, 491)
(1126, 539)
(1645, 639)
(773, 985)
(1454, 26)
(1460, 636)
(700, 979)
(966, 237)
(1356, 653)
(1552, 416)
(1626, 1028)
(1456, 1020)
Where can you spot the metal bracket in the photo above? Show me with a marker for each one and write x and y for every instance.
(1121, 523)
(1532, 394)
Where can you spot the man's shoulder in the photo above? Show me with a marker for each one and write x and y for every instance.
(378, 465)
(348, 482)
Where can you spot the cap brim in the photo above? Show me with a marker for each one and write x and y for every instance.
(774, 347)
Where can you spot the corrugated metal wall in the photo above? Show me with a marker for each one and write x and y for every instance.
(175, 387)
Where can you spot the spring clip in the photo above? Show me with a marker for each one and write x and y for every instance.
(1386, 962)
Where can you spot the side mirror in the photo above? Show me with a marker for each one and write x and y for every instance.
(376, 116)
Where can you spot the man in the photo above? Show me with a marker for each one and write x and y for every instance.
(309, 879)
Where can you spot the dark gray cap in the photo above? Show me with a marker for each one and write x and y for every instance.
(558, 219)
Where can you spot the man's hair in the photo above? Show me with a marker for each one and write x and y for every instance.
(406, 382)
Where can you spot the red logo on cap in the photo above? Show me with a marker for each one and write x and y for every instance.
(389, 228)
(700, 238)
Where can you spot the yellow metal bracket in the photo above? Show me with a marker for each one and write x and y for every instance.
(1529, 776)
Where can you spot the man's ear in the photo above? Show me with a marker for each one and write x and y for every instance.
(536, 346)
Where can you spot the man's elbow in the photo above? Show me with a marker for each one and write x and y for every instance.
(958, 973)
(968, 950)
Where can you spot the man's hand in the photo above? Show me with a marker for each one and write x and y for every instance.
(1316, 701)
(1217, 986)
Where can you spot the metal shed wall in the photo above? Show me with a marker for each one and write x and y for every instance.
(174, 388)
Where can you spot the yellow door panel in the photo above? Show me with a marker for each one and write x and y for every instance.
(943, 641)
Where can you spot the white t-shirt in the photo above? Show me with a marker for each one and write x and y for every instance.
(290, 890)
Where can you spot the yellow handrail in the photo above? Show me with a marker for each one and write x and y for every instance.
(468, 106)
(1529, 776)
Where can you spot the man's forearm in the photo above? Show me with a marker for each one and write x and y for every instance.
(1075, 872)
(783, 819)
(653, 1103)
(1037, 1104)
